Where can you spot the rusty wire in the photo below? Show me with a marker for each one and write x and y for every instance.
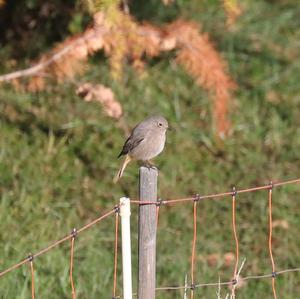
(157, 214)
(116, 253)
(32, 277)
(54, 244)
(270, 241)
(158, 204)
(193, 247)
(235, 278)
(217, 195)
(74, 232)
(226, 283)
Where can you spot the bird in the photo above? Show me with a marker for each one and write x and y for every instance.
(146, 141)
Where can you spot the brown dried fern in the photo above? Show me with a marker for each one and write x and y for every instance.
(200, 59)
(125, 40)
(232, 10)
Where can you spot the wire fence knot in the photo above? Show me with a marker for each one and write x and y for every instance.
(160, 202)
(30, 258)
(274, 274)
(234, 281)
(197, 197)
(74, 233)
(117, 209)
(234, 192)
(271, 186)
(192, 286)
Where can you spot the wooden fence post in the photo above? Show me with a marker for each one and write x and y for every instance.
(147, 233)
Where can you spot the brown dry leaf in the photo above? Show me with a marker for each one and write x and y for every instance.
(168, 44)
(36, 84)
(281, 223)
(80, 51)
(229, 259)
(152, 39)
(17, 85)
(103, 95)
(273, 97)
(212, 259)
(94, 41)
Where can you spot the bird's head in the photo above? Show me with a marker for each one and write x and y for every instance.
(160, 123)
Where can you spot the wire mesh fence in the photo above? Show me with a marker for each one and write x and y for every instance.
(233, 282)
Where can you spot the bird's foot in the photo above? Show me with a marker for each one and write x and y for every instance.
(150, 165)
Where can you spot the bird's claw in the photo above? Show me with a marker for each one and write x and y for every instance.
(149, 166)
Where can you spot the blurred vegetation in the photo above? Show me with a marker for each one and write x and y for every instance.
(31, 26)
(58, 153)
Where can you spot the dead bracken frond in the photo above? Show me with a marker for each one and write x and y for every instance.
(200, 59)
(232, 10)
(124, 40)
(102, 95)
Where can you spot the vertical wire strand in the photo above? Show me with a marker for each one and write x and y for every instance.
(270, 242)
(72, 264)
(157, 214)
(235, 278)
(32, 279)
(116, 253)
(193, 249)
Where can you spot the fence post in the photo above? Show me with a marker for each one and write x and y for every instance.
(126, 247)
(147, 233)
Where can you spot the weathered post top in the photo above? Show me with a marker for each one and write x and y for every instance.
(148, 183)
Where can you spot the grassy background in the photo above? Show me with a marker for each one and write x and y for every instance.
(58, 157)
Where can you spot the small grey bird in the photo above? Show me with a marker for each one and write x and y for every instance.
(147, 140)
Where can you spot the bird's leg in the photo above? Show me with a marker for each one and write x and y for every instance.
(149, 164)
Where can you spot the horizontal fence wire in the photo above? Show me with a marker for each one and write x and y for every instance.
(196, 198)
(227, 283)
(220, 283)
(55, 243)
(217, 195)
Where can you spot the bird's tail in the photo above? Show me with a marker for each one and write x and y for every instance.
(122, 168)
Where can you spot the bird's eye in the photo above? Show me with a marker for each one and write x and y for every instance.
(160, 125)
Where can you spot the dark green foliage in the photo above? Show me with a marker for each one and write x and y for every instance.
(30, 26)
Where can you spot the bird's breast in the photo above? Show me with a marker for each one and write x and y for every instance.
(150, 147)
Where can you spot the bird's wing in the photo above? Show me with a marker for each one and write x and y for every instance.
(133, 141)
(138, 134)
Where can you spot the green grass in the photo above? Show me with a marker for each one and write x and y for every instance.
(58, 158)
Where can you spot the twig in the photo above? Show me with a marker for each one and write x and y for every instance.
(34, 70)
